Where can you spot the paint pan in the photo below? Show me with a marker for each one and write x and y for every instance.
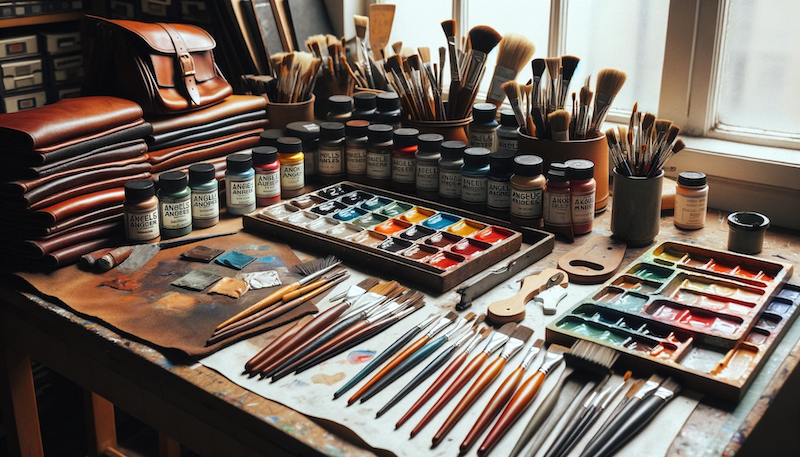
(417, 233)
(695, 319)
(344, 231)
(465, 227)
(369, 238)
(711, 303)
(374, 203)
(637, 284)
(280, 211)
(420, 252)
(328, 208)
(348, 214)
(394, 244)
(334, 191)
(369, 220)
(322, 224)
(356, 197)
(440, 221)
(395, 209)
(493, 234)
(301, 218)
(417, 214)
(442, 239)
(306, 201)
(445, 260)
(469, 248)
(392, 226)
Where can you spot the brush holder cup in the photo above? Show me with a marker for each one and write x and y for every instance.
(456, 130)
(746, 232)
(594, 149)
(282, 114)
(636, 212)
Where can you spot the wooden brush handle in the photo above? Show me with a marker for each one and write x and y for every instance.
(303, 290)
(337, 340)
(461, 380)
(274, 345)
(353, 339)
(512, 309)
(270, 299)
(437, 384)
(488, 375)
(518, 404)
(389, 367)
(499, 399)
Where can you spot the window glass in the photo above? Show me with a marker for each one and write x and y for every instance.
(418, 23)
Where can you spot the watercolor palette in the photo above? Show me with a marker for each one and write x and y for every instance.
(428, 243)
(710, 318)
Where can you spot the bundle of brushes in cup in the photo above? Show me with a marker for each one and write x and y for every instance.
(336, 73)
(544, 115)
(644, 147)
(294, 77)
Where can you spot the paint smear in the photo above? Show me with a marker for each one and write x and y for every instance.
(121, 282)
(175, 301)
(296, 383)
(356, 357)
(327, 379)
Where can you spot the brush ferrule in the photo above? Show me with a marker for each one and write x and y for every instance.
(551, 361)
(512, 347)
(496, 341)
(439, 326)
(455, 73)
(354, 292)
(428, 321)
(648, 388)
(379, 313)
(530, 356)
(477, 60)
(363, 302)
(461, 339)
(663, 393)
(473, 343)
(457, 325)
(610, 398)
(501, 76)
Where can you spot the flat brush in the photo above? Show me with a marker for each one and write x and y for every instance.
(449, 29)
(559, 124)
(256, 360)
(501, 397)
(514, 51)
(511, 90)
(568, 66)
(522, 399)
(489, 374)
(440, 325)
(445, 375)
(385, 354)
(589, 403)
(361, 23)
(609, 83)
(482, 39)
(495, 342)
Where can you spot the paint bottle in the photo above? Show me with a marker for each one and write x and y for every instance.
(691, 200)
(582, 188)
(427, 179)
(507, 132)
(290, 156)
(141, 211)
(268, 175)
(527, 186)
(364, 107)
(331, 155)
(387, 109)
(450, 164)
(498, 183)
(379, 155)
(483, 129)
(557, 202)
(404, 167)
(340, 108)
(308, 132)
(270, 137)
(174, 204)
(240, 185)
(205, 195)
(356, 150)
(474, 179)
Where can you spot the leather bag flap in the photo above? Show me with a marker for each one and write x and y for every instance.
(157, 38)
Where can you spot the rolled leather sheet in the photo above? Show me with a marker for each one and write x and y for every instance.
(69, 182)
(75, 206)
(211, 133)
(27, 233)
(159, 141)
(34, 230)
(232, 105)
(37, 249)
(65, 122)
(100, 156)
(88, 188)
(218, 148)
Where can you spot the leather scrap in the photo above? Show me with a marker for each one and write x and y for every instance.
(197, 280)
(202, 253)
(235, 260)
(231, 287)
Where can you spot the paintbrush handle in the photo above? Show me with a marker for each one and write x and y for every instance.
(303, 290)
(389, 367)
(557, 447)
(521, 400)
(437, 384)
(379, 359)
(270, 299)
(541, 414)
(272, 347)
(611, 428)
(499, 399)
(461, 380)
(333, 343)
(585, 424)
(421, 376)
(637, 420)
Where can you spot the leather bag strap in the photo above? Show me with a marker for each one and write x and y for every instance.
(185, 63)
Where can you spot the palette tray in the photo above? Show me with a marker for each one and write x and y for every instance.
(710, 318)
(433, 245)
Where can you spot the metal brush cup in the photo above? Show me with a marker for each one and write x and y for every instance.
(636, 211)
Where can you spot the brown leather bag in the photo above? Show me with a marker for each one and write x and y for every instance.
(165, 68)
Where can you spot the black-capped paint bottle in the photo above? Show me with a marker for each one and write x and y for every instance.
(507, 132)
(387, 109)
(308, 132)
(450, 171)
(379, 155)
(291, 158)
(483, 129)
(427, 163)
(240, 185)
(364, 107)
(340, 108)
(268, 175)
(205, 195)
(331, 155)
(356, 150)
(474, 179)
(270, 137)
(404, 167)
(582, 189)
(527, 187)
(498, 183)
(141, 211)
(557, 203)
(174, 204)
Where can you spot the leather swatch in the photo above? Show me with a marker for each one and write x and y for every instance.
(202, 254)
(197, 280)
(234, 259)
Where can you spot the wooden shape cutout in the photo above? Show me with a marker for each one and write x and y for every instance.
(593, 262)
(512, 309)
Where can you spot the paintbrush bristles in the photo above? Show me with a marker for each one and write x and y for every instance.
(452, 315)
(559, 122)
(514, 51)
(485, 332)
(424, 53)
(557, 349)
(312, 266)
(361, 23)
(470, 316)
(511, 89)
(591, 356)
(522, 333)
(553, 64)
(538, 343)
(507, 329)
(449, 27)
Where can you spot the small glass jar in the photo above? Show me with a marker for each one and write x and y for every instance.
(427, 163)
(483, 129)
(356, 150)
(270, 137)
(141, 211)
(379, 155)
(268, 175)
(507, 132)
(240, 185)
(582, 189)
(450, 170)
(290, 156)
(364, 107)
(205, 195)
(527, 186)
(691, 200)
(474, 179)
(340, 108)
(387, 109)
(174, 204)
(404, 168)
(498, 183)
(308, 132)
(557, 202)
(331, 155)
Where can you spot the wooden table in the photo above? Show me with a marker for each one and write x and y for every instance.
(213, 416)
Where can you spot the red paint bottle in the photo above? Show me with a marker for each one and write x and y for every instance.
(582, 189)
(404, 165)
(268, 176)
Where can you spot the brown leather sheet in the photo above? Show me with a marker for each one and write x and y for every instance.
(204, 154)
(232, 105)
(167, 317)
(66, 188)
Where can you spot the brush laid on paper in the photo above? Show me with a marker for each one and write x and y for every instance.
(644, 147)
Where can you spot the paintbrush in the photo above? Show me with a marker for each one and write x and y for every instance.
(256, 360)
(446, 374)
(619, 418)
(522, 399)
(639, 418)
(559, 124)
(511, 90)
(361, 24)
(513, 52)
(585, 361)
(495, 342)
(553, 65)
(449, 28)
(609, 83)
(312, 270)
(417, 357)
(482, 40)
(589, 403)
(385, 354)
(582, 123)
(568, 66)
(440, 325)
(500, 397)
(489, 374)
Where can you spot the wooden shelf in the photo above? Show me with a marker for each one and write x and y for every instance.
(41, 19)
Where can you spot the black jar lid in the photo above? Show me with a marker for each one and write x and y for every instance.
(331, 131)
(364, 101)
(290, 145)
(405, 137)
(508, 119)
(173, 181)
(387, 101)
(264, 155)
(238, 163)
(202, 172)
(140, 189)
(557, 172)
(483, 113)
(270, 137)
(692, 179)
(528, 165)
(476, 157)
(379, 133)
(305, 130)
(357, 128)
(501, 161)
(748, 221)
(453, 150)
(340, 104)
(430, 142)
(579, 169)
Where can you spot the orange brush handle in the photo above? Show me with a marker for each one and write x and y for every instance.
(389, 367)
(503, 394)
(469, 371)
(440, 381)
(518, 404)
(272, 347)
(488, 375)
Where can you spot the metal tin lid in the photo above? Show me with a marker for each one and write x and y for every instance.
(528, 165)
(238, 163)
(692, 179)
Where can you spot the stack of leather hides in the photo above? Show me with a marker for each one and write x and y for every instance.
(64, 168)
(207, 135)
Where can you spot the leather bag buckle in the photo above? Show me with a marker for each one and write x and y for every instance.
(187, 64)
